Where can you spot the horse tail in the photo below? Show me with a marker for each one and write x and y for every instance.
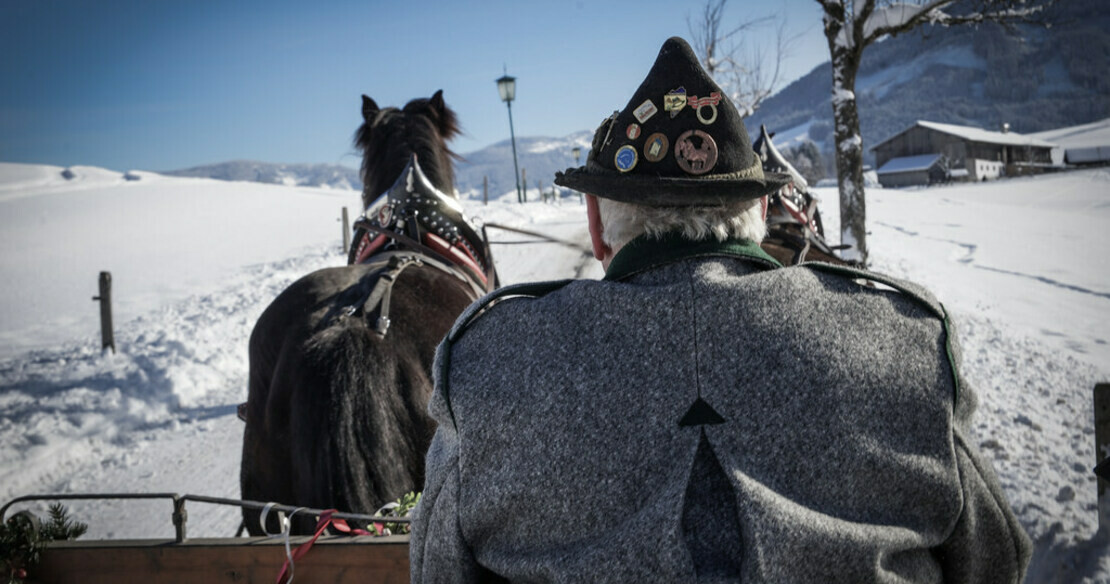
(377, 425)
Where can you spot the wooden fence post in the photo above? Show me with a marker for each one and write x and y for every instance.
(1102, 449)
(524, 181)
(485, 190)
(346, 232)
(107, 339)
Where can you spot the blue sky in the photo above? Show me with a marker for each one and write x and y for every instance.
(168, 84)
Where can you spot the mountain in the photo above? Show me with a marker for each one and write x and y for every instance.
(538, 158)
(309, 175)
(1035, 79)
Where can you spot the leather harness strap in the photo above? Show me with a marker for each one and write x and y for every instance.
(479, 282)
(386, 268)
(803, 220)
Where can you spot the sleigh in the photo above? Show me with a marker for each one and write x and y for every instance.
(333, 558)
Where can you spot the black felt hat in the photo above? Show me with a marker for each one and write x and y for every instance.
(678, 142)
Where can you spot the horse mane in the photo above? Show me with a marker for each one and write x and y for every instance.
(390, 136)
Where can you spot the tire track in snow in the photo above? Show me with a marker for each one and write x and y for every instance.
(969, 259)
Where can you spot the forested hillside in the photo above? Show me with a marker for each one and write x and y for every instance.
(1035, 79)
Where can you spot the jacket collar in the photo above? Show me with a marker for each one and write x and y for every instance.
(643, 253)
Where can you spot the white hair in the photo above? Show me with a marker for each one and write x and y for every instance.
(623, 222)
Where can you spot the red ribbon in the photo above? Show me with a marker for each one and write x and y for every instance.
(326, 519)
(713, 99)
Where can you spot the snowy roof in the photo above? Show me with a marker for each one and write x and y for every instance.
(909, 163)
(976, 135)
(1082, 136)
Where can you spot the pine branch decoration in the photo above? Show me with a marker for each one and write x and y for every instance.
(23, 537)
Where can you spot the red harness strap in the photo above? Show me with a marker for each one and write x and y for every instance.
(326, 519)
(456, 254)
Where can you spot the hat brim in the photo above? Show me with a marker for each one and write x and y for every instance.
(661, 191)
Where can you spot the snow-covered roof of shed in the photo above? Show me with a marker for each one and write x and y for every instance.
(976, 135)
(909, 163)
(1082, 136)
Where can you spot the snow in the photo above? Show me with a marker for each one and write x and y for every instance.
(986, 136)
(1019, 264)
(1082, 136)
(882, 81)
(162, 238)
(851, 144)
(1079, 144)
(561, 145)
(891, 16)
(842, 96)
(791, 137)
(884, 17)
(909, 163)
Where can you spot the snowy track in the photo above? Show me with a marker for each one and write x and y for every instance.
(1025, 280)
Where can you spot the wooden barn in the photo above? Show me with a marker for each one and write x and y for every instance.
(904, 171)
(967, 153)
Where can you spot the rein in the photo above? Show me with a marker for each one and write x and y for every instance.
(542, 236)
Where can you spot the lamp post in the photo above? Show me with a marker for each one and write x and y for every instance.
(506, 86)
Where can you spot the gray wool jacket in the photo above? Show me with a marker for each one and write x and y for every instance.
(704, 415)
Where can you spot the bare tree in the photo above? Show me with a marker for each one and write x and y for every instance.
(749, 72)
(850, 27)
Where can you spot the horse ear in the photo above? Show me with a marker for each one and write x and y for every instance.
(437, 103)
(369, 108)
(445, 118)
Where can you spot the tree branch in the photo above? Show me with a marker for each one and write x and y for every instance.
(1005, 12)
(748, 76)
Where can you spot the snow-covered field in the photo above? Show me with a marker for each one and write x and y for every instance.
(1021, 264)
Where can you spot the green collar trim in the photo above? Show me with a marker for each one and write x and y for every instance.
(644, 253)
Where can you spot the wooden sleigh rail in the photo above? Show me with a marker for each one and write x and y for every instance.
(339, 558)
(333, 559)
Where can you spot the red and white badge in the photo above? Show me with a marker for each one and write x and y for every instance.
(644, 111)
(711, 102)
(633, 131)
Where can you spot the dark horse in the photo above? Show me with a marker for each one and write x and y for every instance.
(340, 362)
(794, 230)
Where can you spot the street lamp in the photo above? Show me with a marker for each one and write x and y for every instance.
(577, 151)
(506, 86)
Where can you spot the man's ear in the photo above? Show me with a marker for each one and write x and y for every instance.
(593, 214)
(763, 203)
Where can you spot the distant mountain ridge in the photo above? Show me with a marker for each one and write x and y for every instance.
(539, 158)
(310, 175)
(982, 76)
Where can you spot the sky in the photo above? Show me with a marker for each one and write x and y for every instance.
(170, 84)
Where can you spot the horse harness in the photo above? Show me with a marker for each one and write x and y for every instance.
(384, 269)
(414, 224)
(792, 219)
